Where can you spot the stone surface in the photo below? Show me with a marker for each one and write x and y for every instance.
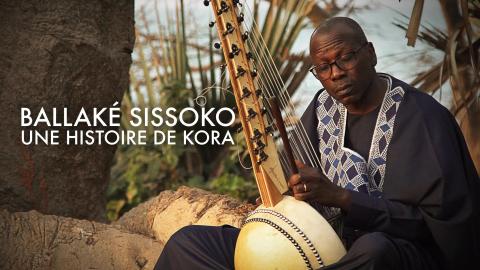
(60, 53)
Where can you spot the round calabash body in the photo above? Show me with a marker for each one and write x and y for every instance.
(290, 235)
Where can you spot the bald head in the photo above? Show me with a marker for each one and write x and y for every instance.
(341, 25)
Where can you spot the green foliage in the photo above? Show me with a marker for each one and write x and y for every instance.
(170, 69)
(235, 181)
(234, 185)
(140, 172)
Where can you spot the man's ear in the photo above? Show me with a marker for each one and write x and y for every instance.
(371, 49)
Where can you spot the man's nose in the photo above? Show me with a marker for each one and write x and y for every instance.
(337, 72)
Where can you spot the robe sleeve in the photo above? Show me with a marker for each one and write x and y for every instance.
(379, 214)
(454, 218)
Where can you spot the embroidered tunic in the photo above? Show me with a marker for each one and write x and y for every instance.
(418, 183)
(344, 166)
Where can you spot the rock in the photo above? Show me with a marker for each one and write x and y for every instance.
(60, 53)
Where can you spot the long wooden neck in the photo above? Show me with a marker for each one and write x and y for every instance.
(261, 147)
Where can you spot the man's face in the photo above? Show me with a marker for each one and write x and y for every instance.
(347, 85)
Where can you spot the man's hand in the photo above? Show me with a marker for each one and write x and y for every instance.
(310, 184)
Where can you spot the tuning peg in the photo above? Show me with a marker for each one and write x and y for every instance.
(246, 93)
(235, 51)
(254, 73)
(258, 92)
(269, 130)
(235, 109)
(249, 55)
(262, 157)
(229, 30)
(223, 8)
(236, 2)
(216, 45)
(240, 72)
(238, 127)
(260, 147)
(206, 2)
(251, 114)
(264, 111)
(211, 24)
(256, 135)
(245, 35)
(240, 17)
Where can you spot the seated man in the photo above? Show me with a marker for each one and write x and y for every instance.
(393, 160)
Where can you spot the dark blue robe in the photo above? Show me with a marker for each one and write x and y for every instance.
(426, 218)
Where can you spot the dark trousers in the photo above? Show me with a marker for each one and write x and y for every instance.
(210, 247)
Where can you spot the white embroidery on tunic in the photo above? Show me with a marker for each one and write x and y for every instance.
(344, 166)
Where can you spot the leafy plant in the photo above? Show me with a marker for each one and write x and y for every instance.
(172, 69)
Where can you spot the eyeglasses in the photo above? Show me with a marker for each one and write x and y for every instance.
(344, 62)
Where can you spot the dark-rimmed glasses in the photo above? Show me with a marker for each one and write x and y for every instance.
(344, 62)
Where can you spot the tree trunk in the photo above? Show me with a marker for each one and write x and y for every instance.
(30, 240)
(60, 53)
(161, 216)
